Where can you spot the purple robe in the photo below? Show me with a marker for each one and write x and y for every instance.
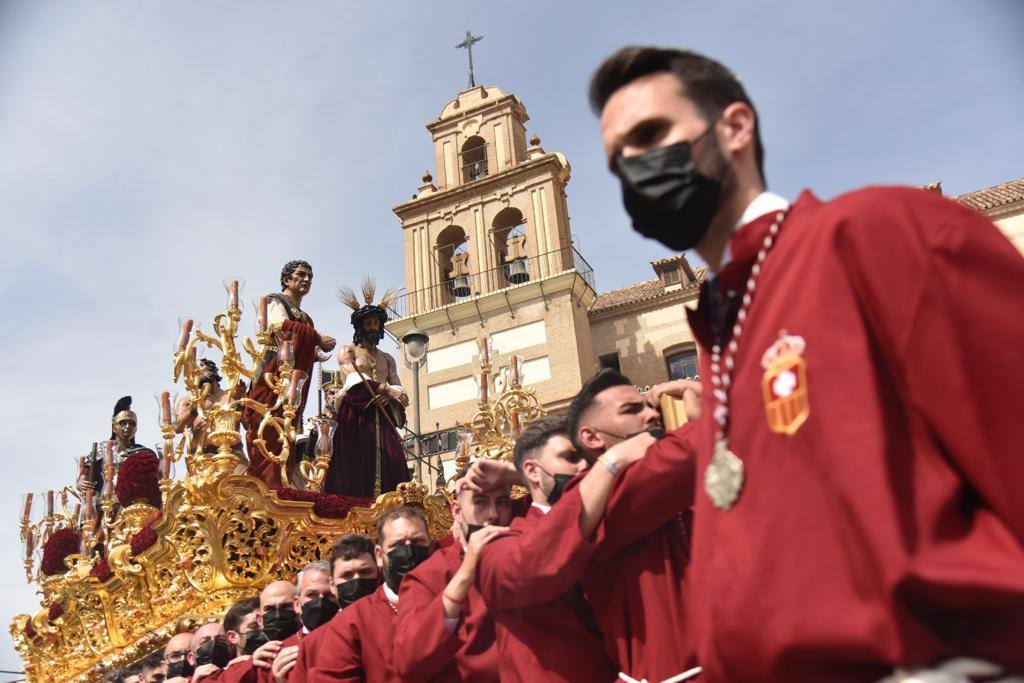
(353, 468)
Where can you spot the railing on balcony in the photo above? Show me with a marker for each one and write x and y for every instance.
(510, 274)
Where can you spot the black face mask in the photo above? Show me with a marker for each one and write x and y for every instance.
(558, 488)
(403, 560)
(216, 652)
(666, 196)
(350, 591)
(471, 529)
(182, 668)
(318, 612)
(254, 640)
(281, 622)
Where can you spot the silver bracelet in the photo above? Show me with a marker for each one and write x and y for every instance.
(608, 465)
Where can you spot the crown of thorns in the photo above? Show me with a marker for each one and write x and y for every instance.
(362, 308)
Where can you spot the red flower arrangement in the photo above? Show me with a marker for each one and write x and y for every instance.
(326, 505)
(138, 478)
(101, 571)
(58, 546)
(55, 611)
(143, 540)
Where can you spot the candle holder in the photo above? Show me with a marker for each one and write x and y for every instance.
(234, 287)
(314, 474)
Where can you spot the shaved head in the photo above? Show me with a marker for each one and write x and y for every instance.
(178, 643)
(277, 593)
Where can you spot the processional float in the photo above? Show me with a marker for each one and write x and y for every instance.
(154, 555)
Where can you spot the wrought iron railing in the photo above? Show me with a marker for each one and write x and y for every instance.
(510, 274)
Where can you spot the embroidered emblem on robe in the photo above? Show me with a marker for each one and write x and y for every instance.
(784, 385)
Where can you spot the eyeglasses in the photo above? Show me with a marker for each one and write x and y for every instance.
(173, 657)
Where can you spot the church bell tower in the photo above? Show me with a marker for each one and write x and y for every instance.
(489, 251)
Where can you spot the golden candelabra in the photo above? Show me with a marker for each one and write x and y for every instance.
(505, 406)
(222, 418)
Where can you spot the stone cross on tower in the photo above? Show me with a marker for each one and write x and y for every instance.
(467, 45)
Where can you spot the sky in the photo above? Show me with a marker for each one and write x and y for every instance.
(150, 149)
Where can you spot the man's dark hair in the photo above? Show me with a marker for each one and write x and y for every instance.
(351, 546)
(115, 676)
(367, 311)
(707, 83)
(605, 379)
(211, 365)
(239, 611)
(133, 670)
(403, 511)
(536, 435)
(152, 662)
(289, 269)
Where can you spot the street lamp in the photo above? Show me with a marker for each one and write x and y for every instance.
(414, 349)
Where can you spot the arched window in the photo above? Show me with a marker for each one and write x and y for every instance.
(510, 248)
(453, 262)
(474, 159)
(682, 362)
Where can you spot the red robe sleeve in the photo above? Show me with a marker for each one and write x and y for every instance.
(539, 564)
(423, 644)
(243, 672)
(337, 657)
(651, 491)
(951, 331)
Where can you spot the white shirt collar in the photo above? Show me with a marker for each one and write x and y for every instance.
(543, 508)
(763, 204)
(390, 594)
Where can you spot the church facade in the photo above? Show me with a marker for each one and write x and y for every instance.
(489, 252)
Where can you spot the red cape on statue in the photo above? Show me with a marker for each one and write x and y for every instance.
(304, 339)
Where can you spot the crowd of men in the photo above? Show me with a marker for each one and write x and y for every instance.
(843, 504)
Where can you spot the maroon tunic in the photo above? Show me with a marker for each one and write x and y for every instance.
(889, 528)
(353, 468)
(355, 645)
(527, 577)
(635, 583)
(308, 650)
(304, 339)
(425, 650)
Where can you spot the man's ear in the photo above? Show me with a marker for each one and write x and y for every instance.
(531, 472)
(591, 439)
(378, 554)
(232, 637)
(736, 128)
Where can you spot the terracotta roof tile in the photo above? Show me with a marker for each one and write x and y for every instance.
(994, 197)
(648, 290)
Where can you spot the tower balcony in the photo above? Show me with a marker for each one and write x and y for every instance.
(511, 282)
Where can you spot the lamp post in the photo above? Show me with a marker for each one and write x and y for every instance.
(414, 349)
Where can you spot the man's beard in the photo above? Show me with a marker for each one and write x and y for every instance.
(372, 338)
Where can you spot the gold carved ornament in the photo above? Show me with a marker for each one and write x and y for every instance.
(219, 537)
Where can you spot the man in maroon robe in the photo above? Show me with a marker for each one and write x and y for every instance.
(857, 508)
(529, 577)
(288, 321)
(355, 575)
(370, 408)
(635, 580)
(445, 631)
(357, 644)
